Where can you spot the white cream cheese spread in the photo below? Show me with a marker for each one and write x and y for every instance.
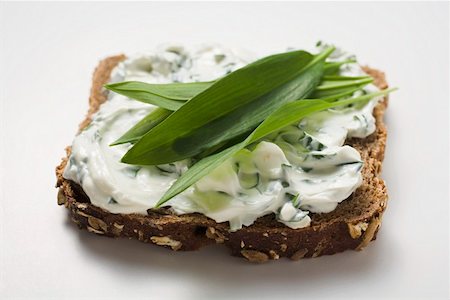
(303, 168)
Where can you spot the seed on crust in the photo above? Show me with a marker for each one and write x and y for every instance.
(265, 234)
(166, 241)
(76, 221)
(213, 234)
(283, 247)
(61, 197)
(255, 256)
(116, 229)
(90, 229)
(97, 223)
(242, 244)
(141, 235)
(299, 254)
(81, 206)
(319, 248)
(355, 230)
(370, 232)
(82, 214)
(273, 255)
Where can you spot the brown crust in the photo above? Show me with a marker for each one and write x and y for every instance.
(353, 224)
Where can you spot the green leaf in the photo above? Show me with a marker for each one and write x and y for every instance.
(340, 94)
(332, 85)
(159, 114)
(185, 90)
(242, 100)
(327, 78)
(295, 111)
(155, 117)
(332, 68)
(198, 171)
(284, 116)
(170, 96)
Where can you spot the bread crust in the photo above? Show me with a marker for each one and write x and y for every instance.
(352, 225)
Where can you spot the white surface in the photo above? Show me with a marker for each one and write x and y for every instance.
(48, 52)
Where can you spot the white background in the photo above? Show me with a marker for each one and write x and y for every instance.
(48, 53)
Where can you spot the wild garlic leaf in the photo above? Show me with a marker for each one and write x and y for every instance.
(198, 171)
(332, 68)
(170, 96)
(155, 117)
(328, 78)
(282, 117)
(295, 111)
(336, 95)
(163, 94)
(332, 85)
(242, 100)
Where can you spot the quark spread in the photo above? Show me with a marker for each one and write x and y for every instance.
(302, 168)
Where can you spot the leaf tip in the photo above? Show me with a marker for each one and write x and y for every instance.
(113, 86)
(394, 89)
(388, 90)
(163, 200)
(328, 50)
(125, 159)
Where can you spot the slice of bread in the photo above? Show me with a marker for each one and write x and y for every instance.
(352, 225)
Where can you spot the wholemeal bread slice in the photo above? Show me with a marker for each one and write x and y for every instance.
(352, 225)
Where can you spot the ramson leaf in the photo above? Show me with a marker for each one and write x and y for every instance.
(332, 85)
(241, 100)
(164, 94)
(170, 96)
(332, 68)
(282, 117)
(155, 117)
(159, 114)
